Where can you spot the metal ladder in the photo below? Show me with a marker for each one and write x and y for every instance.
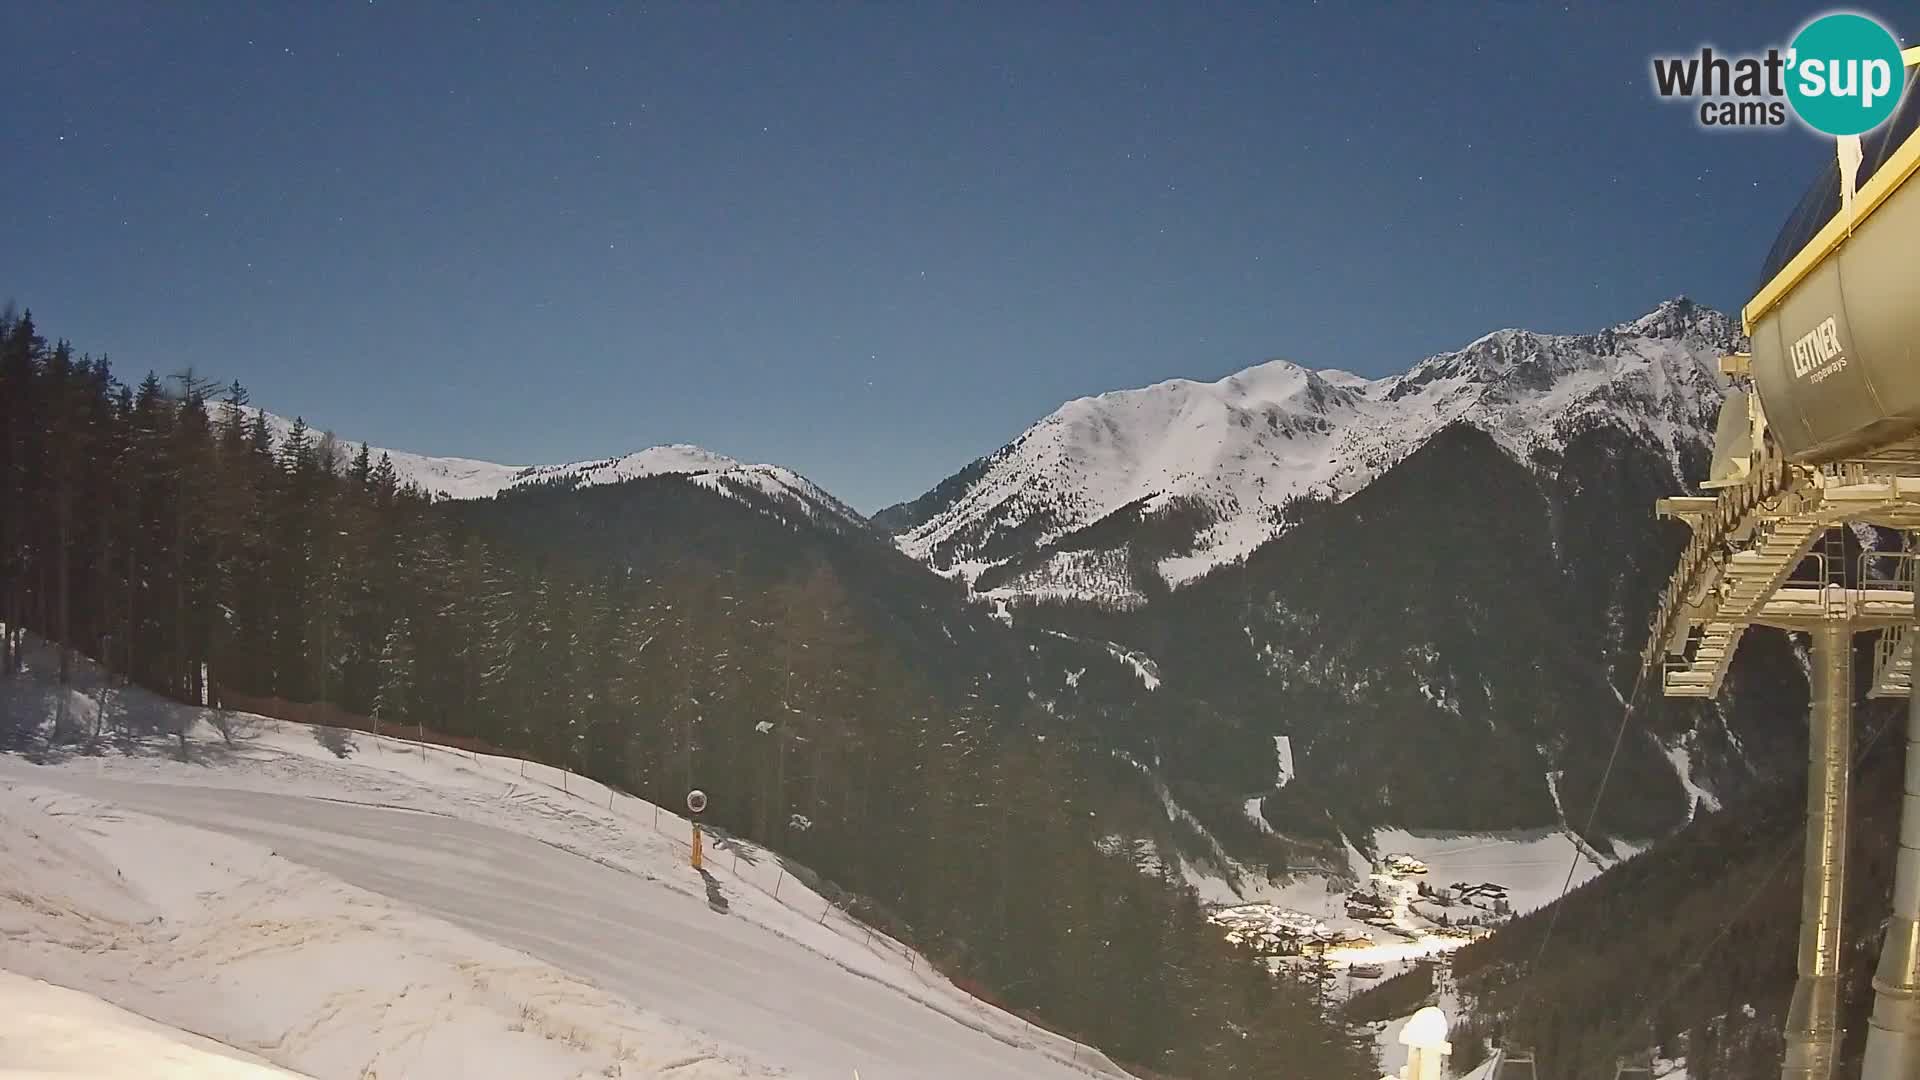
(1834, 547)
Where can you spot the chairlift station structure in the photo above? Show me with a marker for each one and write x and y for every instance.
(1821, 434)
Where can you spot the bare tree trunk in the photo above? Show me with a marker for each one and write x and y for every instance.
(780, 787)
(7, 613)
(686, 749)
(180, 663)
(6, 619)
(100, 706)
(133, 573)
(102, 589)
(63, 515)
(813, 780)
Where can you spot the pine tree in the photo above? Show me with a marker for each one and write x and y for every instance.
(394, 698)
(191, 565)
(290, 558)
(20, 421)
(150, 483)
(65, 435)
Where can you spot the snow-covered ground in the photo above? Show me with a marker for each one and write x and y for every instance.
(1531, 865)
(1143, 666)
(1665, 1069)
(1698, 797)
(347, 906)
(1392, 1053)
(1282, 919)
(50, 1031)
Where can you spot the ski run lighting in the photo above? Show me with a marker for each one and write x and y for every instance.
(1820, 437)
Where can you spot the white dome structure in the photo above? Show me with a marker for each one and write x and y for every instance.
(1425, 1037)
(1427, 1028)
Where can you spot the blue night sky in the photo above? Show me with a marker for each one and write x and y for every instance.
(869, 241)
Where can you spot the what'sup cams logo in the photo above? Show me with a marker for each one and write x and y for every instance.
(1842, 75)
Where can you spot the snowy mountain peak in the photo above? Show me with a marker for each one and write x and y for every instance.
(1184, 476)
(1344, 379)
(1680, 318)
(773, 488)
(671, 459)
(1525, 359)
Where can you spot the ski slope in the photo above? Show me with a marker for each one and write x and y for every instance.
(50, 1031)
(344, 906)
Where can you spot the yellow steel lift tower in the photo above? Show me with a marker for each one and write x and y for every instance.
(1821, 432)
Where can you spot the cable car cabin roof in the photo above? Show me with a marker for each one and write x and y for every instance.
(1889, 154)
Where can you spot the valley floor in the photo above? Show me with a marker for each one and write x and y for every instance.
(343, 906)
(1529, 867)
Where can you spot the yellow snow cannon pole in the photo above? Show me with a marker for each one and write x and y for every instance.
(696, 803)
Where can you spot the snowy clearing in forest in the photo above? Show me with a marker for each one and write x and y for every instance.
(1531, 865)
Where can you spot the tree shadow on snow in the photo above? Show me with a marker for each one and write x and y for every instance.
(724, 841)
(716, 899)
(92, 712)
(41, 750)
(337, 740)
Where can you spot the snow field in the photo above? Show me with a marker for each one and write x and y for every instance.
(48, 1031)
(356, 906)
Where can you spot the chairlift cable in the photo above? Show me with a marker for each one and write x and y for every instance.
(1780, 860)
(1593, 814)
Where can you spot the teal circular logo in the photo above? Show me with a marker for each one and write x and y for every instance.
(1844, 74)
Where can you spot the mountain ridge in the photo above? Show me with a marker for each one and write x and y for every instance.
(1227, 457)
(774, 488)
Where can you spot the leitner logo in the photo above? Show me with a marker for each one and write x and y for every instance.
(1842, 76)
(1818, 352)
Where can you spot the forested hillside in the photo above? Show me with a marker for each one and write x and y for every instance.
(1452, 648)
(837, 701)
(1690, 947)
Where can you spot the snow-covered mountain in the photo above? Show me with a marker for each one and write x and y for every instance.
(774, 488)
(1169, 481)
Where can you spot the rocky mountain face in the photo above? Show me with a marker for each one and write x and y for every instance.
(1115, 498)
(1434, 585)
(1452, 648)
